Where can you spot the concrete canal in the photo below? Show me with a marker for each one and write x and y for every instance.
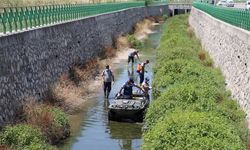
(91, 128)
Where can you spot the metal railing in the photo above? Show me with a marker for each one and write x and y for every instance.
(156, 3)
(237, 17)
(18, 19)
(180, 1)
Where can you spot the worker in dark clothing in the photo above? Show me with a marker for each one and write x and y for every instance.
(127, 89)
(141, 70)
(108, 77)
(132, 55)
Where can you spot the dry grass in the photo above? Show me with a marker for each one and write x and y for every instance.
(83, 72)
(69, 91)
(110, 52)
(190, 31)
(156, 19)
(153, 19)
(65, 93)
(122, 43)
(202, 55)
(39, 116)
(141, 29)
(4, 147)
(205, 59)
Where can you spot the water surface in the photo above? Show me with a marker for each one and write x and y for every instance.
(96, 132)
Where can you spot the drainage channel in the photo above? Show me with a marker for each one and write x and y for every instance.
(96, 131)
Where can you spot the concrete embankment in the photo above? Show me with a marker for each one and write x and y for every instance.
(229, 47)
(33, 60)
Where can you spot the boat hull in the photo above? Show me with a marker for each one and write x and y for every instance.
(125, 114)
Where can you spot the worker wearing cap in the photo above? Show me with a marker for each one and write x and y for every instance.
(108, 77)
(141, 70)
(127, 89)
(146, 87)
(131, 56)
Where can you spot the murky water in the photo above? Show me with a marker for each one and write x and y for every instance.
(93, 131)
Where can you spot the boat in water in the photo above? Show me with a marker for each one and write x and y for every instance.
(122, 108)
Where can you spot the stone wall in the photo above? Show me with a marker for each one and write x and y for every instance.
(229, 46)
(33, 60)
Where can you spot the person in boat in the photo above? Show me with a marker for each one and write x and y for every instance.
(146, 87)
(108, 77)
(141, 70)
(131, 56)
(127, 89)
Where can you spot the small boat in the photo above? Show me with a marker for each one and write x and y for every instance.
(122, 108)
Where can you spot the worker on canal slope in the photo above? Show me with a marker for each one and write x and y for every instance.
(141, 70)
(108, 77)
(127, 89)
(131, 57)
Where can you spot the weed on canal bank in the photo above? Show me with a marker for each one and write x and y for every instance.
(192, 108)
(42, 125)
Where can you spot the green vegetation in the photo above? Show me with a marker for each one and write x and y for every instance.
(43, 125)
(134, 42)
(52, 122)
(192, 109)
(23, 137)
(60, 117)
(192, 130)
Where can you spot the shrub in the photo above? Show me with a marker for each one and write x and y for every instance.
(38, 146)
(179, 71)
(186, 80)
(199, 97)
(60, 117)
(165, 17)
(177, 53)
(183, 130)
(22, 136)
(53, 123)
(134, 43)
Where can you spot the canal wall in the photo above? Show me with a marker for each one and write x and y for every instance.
(229, 46)
(31, 61)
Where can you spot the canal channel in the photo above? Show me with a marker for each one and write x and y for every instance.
(93, 129)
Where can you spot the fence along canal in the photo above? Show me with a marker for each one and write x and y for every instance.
(236, 17)
(24, 18)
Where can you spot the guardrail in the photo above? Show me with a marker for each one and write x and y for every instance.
(18, 19)
(180, 1)
(237, 17)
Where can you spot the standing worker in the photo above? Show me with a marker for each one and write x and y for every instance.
(146, 87)
(141, 70)
(131, 57)
(108, 77)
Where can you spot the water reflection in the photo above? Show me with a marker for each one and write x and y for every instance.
(127, 134)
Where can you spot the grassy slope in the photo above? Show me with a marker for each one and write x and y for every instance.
(192, 109)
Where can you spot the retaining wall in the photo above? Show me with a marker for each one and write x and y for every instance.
(33, 60)
(229, 46)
